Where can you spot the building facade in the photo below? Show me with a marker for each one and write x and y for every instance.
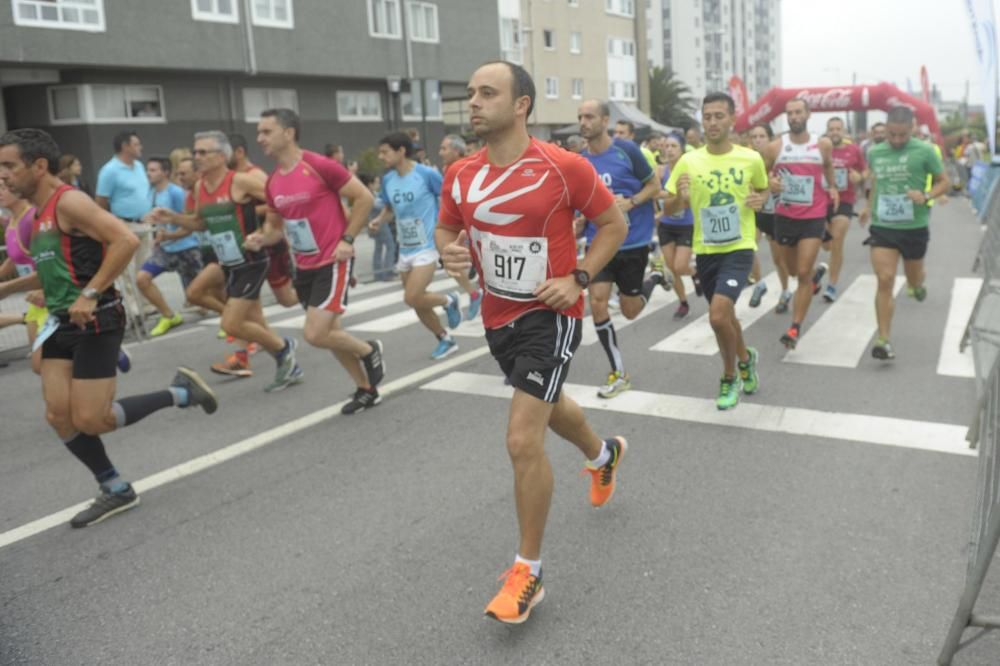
(574, 50)
(87, 69)
(705, 42)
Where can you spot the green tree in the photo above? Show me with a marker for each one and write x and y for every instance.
(670, 99)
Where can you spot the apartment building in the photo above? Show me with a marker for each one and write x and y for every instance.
(353, 69)
(705, 42)
(574, 50)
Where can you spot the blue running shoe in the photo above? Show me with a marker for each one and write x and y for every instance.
(124, 360)
(453, 311)
(446, 347)
(474, 304)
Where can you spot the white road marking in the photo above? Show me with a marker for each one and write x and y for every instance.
(951, 361)
(841, 335)
(240, 448)
(887, 431)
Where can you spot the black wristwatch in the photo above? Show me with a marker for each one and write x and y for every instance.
(348, 238)
(582, 278)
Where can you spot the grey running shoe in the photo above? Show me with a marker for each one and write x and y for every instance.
(106, 505)
(199, 393)
(288, 371)
(759, 290)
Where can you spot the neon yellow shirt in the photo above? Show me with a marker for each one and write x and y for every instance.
(720, 185)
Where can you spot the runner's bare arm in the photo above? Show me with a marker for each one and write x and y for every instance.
(361, 201)
(252, 185)
(562, 292)
(940, 186)
(648, 192)
(77, 213)
(270, 234)
(675, 203)
(7, 269)
(26, 283)
(826, 150)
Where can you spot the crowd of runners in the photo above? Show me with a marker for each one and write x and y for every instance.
(534, 234)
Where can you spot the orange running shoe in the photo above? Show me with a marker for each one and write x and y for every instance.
(602, 479)
(253, 348)
(520, 593)
(233, 366)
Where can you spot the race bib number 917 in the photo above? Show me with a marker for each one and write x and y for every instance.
(513, 266)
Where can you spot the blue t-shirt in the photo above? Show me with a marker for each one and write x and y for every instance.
(685, 218)
(624, 170)
(414, 199)
(126, 188)
(173, 198)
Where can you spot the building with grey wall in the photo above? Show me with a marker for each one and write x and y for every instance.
(705, 42)
(353, 69)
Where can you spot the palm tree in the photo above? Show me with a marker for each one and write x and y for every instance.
(670, 99)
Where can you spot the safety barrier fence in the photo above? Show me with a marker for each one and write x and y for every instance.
(983, 334)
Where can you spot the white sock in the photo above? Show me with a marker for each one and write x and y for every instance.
(536, 565)
(602, 458)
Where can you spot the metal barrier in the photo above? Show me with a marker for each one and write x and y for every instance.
(983, 333)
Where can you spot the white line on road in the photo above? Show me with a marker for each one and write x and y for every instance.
(239, 448)
(951, 361)
(924, 435)
(841, 335)
(398, 320)
(657, 302)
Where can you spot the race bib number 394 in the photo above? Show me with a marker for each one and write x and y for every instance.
(513, 266)
(798, 189)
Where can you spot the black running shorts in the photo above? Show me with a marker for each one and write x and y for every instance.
(534, 351)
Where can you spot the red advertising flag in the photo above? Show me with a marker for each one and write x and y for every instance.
(738, 91)
(925, 84)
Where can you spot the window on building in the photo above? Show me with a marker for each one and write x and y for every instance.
(551, 87)
(628, 48)
(220, 11)
(611, 46)
(510, 40)
(612, 90)
(549, 39)
(697, 42)
(574, 3)
(423, 21)
(272, 13)
(577, 88)
(620, 7)
(66, 105)
(87, 15)
(384, 19)
(575, 42)
(629, 91)
(413, 101)
(98, 104)
(697, 22)
(256, 100)
(359, 105)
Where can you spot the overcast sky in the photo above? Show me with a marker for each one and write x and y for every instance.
(880, 40)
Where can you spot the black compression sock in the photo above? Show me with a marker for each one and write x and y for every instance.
(137, 407)
(89, 449)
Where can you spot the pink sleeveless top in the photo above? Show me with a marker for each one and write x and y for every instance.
(800, 166)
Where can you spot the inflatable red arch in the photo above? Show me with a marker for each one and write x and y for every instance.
(835, 99)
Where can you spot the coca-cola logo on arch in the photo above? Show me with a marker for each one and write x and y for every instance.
(834, 98)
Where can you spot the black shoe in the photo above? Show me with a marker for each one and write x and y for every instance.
(106, 505)
(363, 399)
(199, 393)
(374, 365)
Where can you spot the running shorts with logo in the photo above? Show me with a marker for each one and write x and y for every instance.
(326, 287)
(789, 231)
(94, 349)
(724, 274)
(679, 235)
(245, 280)
(534, 351)
(911, 243)
(626, 269)
(186, 263)
(408, 262)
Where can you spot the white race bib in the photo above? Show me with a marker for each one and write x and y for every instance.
(50, 326)
(23, 270)
(411, 232)
(513, 266)
(797, 189)
(769, 204)
(895, 208)
(226, 248)
(720, 225)
(840, 175)
(300, 237)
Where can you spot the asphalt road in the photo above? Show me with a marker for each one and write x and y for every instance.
(377, 539)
